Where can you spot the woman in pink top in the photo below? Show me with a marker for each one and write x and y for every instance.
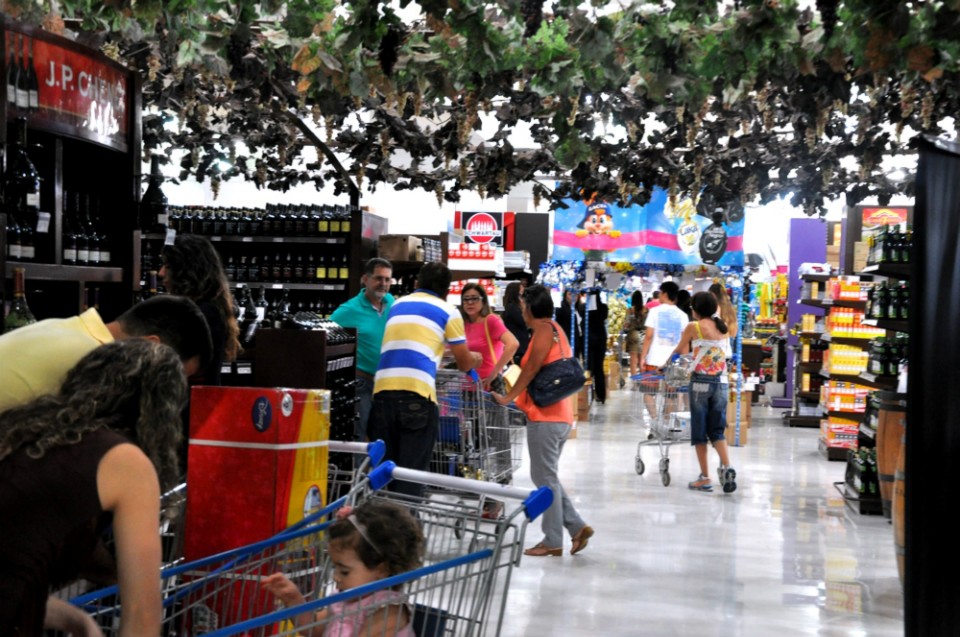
(486, 335)
(548, 426)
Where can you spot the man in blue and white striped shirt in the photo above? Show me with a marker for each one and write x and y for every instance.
(405, 414)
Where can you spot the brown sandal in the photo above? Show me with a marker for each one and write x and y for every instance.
(581, 538)
(540, 551)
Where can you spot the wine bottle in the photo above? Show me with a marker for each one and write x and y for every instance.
(98, 227)
(344, 268)
(20, 313)
(154, 208)
(23, 92)
(33, 85)
(287, 271)
(69, 234)
(251, 321)
(253, 270)
(13, 237)
(13, 70)
(151, 285)
(83, 241)
(93, 239)
(21, 190)
(230, 269)
(262, 304)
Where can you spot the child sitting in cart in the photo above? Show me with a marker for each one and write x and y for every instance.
(705, 336)
(366, 544)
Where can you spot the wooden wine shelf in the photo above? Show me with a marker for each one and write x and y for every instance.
(156, 236)
(271, 285)
(54, 272)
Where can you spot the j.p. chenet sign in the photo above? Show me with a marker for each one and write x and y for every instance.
(54, 80)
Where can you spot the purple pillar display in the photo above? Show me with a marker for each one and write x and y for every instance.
(808, 244)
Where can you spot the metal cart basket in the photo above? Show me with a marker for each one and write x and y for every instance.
(663, 399)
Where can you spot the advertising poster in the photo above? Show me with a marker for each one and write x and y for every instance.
(654, 233)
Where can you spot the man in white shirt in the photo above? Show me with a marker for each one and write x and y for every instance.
(664, 326)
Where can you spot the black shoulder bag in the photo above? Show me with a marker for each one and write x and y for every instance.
(557, 380)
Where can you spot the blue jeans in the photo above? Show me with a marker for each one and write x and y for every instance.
(545, 442)
(364, 391)
(708, 408)
(408, 424)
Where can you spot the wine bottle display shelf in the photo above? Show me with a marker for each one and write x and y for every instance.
(334, 287)
(155, 236)
(54, 272)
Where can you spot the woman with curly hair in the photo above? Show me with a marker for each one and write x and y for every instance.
(96, 453)
(192, 268)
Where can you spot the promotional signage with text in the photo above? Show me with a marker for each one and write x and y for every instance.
(56, 83)
(486, 228)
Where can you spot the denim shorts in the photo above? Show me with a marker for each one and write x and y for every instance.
(708, 408)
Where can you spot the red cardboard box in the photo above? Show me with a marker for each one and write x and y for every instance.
(257, 464)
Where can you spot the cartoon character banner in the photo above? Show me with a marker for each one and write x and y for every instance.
(654, 233)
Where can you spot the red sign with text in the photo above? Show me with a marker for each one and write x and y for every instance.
(487, 228)
(68, 87)
(880, 216)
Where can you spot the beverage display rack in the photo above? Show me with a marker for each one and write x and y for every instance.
(72, 151)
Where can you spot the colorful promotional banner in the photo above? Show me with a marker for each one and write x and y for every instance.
(884, 216)
(654, 233)
(67, 86)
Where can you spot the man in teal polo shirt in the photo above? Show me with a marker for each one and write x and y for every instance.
(367, 312)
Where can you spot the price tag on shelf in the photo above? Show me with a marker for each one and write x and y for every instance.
(276, 286)
(170, 238)
(43, 222)
(278, 239)
(246, 239)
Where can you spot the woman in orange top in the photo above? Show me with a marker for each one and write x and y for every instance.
(548, 426)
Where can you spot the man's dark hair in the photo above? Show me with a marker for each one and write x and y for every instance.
(375, 263)
(670, 289)
(176, 320)
(538, 301)
(435, 276)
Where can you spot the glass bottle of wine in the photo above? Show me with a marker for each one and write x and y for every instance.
(93, 238)
(154, 207)
(21, 189)
(20, 313)
(69, 234)
(33, 83)
(22, 90)
(13, 71)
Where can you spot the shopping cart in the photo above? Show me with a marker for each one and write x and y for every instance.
(664, 399)
(454, 593)
(478, 437)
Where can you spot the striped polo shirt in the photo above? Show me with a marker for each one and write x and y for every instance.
(418, 328)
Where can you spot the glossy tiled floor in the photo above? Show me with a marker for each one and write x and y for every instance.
(782, 556)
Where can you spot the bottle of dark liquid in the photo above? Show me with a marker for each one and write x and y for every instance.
(13, 237)
(322, 270)
(69, 234)
(83, 241)
(219, 222)
(256, 222)
(266, 268)
(32, 83)
(276, 268)
(253, 270)
(154, 208)
(262, 304)
(230, 269)
(231, 222)
(93, 237)
(151, 290)
(290, 221)
(243, 269)
(206, 222)
(22, 88)
(298, 270)
(20, 313)
(287, 272)
(13, 70)
(310, 273)
(269, 221)
(21, 190)
(99, 227)
(251, 321)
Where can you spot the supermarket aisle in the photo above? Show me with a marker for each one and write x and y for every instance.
(782, 556)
